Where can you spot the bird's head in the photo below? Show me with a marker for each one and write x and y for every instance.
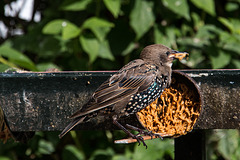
(161, 55)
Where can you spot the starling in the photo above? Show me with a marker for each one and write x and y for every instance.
(132, 88)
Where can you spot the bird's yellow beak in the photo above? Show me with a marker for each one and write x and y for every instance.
(178, 55)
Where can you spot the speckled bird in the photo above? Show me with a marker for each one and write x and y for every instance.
(132, 88)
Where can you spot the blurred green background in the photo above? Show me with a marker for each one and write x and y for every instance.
(105, 35)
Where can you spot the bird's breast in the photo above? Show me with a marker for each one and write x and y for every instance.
(143, 99)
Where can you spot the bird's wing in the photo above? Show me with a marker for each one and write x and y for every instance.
(131, 79)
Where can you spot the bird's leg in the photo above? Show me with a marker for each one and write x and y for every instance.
(137, 137)
(140, 131)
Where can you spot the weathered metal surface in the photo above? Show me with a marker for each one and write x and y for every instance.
(221, 96)
(43, 101)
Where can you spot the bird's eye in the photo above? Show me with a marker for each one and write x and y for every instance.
(167, 53)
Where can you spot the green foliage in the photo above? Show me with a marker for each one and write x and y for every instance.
(88, 34)
(223, 144)
(105, 35)
(66, 28)
(72, 152)
(73, 5)
(206, 5)
(14, 58)
(155, 150)
(97, 145)
(180, 7)
(113, 6)
(142, 17)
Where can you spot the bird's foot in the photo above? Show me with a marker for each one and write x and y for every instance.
(139, 139)
(143, 132)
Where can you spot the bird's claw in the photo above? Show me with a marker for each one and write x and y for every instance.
(152, 134)
(143, 132)
(139, 140)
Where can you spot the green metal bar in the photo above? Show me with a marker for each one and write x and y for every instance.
(43, 101)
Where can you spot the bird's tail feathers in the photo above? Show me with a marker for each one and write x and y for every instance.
(71, 125)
